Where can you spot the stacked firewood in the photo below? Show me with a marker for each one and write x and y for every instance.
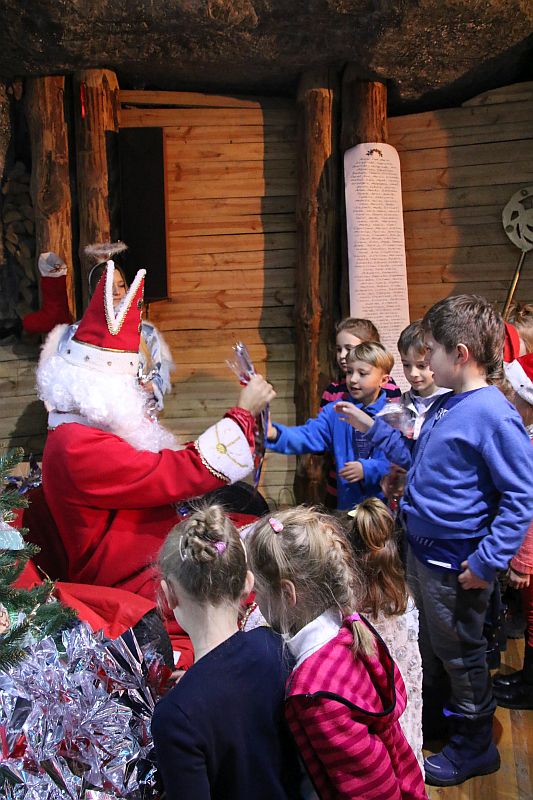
(19, 235)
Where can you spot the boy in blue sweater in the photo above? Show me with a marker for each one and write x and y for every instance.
(360, 466)
(466, 508)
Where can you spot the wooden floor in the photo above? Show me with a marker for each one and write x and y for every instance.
(513, 731)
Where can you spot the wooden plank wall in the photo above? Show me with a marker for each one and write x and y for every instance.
(460, 166)
(230, 203)
(23, 418)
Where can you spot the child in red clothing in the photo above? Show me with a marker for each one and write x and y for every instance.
(349, 332)
(345, 694)
(516, 690)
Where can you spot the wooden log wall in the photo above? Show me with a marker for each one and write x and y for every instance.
(23, 421)
(50, 177)
(317, 278)
(96, 102)
(460, 166)
(230, 182)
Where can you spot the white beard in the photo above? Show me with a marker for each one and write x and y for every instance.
(114, 403)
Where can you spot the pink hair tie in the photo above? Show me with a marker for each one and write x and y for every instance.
(352, 618)
(275, 524)
(220, 547)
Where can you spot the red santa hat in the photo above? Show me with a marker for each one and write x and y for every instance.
(519, 373)
(511, 345)
(106, 340)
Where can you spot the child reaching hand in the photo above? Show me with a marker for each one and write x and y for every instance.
(219, 733)
(349, 332)
(345, 695)
(387, 604)
(360, 468)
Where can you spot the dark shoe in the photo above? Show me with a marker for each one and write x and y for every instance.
(518, 696)
(505, 681)
(446, 769)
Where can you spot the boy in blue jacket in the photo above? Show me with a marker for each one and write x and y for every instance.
(360, 465)
(467, 506)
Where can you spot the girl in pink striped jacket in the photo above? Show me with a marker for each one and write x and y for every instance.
(345, 694)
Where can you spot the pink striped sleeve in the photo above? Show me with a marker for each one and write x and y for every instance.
(523, 560)
(343, 759)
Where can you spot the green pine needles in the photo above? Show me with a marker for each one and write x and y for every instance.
(26, 615)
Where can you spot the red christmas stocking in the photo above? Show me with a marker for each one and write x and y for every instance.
(54, 309)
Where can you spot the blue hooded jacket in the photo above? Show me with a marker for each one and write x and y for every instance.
(327, 433)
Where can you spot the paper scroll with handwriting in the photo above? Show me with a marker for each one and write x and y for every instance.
(376, 245)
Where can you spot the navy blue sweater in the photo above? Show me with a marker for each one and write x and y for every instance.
(470, 474)
(220, 733)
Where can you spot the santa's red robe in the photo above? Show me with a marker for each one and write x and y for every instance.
(113, 505)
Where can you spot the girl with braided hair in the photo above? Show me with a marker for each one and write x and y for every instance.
(219, 733)
(345, 695)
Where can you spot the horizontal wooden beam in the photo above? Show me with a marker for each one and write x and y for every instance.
(198, 99)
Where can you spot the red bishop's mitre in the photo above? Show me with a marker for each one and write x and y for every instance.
(107, 340)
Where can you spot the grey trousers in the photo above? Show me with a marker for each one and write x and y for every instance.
(451, 638)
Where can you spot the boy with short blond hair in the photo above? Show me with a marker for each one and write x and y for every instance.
(467, 506)
(360, 466)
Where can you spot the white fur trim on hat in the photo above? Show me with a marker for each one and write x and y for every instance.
(51, 266)
(115, 319)
(90, 356)
(521, 383)
(60, 342)
(225, 451)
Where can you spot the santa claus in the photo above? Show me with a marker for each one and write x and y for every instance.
(112, 476)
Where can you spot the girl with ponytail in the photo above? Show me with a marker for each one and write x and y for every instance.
(219, 733)
(387, 604)
(345, 695)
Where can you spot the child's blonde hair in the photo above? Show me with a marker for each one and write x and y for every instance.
(372, 353)
(310, 549)
(521, 316)
(373, 539)
(204, 555)
(364, 329)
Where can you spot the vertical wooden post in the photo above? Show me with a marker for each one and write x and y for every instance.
(97, 107)
(50, 179)
(317, 258)
(5, 136)
(363, 119)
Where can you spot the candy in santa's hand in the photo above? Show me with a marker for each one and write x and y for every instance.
(242, 365)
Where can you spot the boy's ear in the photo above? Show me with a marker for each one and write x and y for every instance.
(462, 353)
(288, 590)
(385, 379)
